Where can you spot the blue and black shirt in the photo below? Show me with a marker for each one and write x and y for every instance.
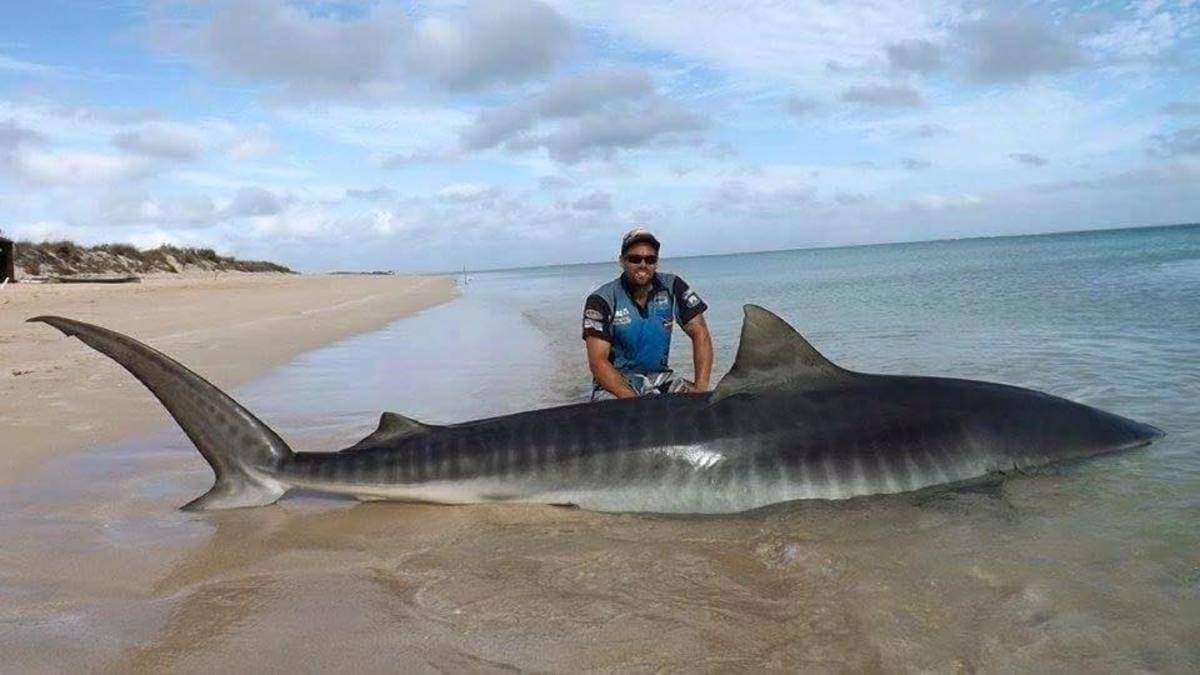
(640, 337)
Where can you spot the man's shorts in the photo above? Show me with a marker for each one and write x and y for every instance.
(645, 384)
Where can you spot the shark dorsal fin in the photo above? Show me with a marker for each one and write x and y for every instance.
(392, 426)
(773, 356)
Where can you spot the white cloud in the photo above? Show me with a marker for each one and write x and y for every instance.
(919, 56)
(76, 168)
(178, 210)
(943, 202)
(254, 201)
(7, 63)
(252, 145)
(467, 192)
(161, 140)
(491, 41)
(1015, 49)
(791, 40)
(311, 55)
(383, 130)
(886, 95)
(569, 97)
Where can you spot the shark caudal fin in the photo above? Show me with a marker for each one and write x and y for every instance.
(241, 450)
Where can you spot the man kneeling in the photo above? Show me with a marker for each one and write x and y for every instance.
(627, 326)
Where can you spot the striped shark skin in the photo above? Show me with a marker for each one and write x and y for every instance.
(784, 424)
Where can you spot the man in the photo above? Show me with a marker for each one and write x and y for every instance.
(627, 326)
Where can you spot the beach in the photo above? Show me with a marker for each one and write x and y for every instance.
(57, 396)
(1081, 567)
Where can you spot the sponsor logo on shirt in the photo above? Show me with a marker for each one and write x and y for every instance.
(691, 299)
(593, 325)
(662, 298)
(621, 318)
(593, 314)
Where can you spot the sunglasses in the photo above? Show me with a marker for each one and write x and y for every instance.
(635, 259)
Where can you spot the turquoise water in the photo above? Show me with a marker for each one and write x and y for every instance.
(1092, 566)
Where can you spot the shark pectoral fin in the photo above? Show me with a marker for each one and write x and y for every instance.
(392, 426)
(772, 355)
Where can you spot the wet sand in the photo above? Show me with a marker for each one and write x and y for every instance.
(57, 396)
(1072, 570)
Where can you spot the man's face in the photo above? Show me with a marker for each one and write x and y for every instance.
(637, 263)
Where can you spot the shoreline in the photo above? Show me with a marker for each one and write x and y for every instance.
(57, 396)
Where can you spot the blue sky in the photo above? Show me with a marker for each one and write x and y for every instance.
(495, 133)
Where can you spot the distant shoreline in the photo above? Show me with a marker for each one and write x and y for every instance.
(57, 396)
(834, 247)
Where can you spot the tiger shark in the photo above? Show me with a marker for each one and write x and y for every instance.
(784, 424)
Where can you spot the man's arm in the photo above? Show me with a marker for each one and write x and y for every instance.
(604, 372)
(702, 351)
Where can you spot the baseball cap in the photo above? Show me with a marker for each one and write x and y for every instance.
(638, 235)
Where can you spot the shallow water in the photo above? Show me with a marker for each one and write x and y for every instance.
(1090, 566)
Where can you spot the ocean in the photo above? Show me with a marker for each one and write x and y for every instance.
(1085, 567)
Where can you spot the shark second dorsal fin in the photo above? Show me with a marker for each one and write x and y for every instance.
(392, 426)
(773, 356)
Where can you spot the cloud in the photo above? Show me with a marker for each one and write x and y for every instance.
(582, 94)
(468, 192)
(7, 63)
(13, 135)
(310, 55)
(927, 131)
(1153, 29)
(374, 195)
(1028, 158)
(599, 134)
(1015, 49)
(918, 56)
(188, 210)
(594, 201)
(1181, 108)
(254, 201)
(1180, 174)
(552, 183)
(491, 41)
(161, 141)
(883, 95)
(1177, 143)
(915, 164)
(428, 156)
(58, 169)
(800, 105)
(940, 202)
(252, 145)
(590, 116)
(783, 40)
(570, 97)
(742, 196)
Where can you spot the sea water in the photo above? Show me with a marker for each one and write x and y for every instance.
(1091, 566)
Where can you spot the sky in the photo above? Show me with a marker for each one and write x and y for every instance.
(502, 133)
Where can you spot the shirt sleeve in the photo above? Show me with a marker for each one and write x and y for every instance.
(597, 318)
(688, 304)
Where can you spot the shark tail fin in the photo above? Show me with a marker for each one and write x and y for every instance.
(242, 451)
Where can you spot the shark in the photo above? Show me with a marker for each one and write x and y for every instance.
(785, 423)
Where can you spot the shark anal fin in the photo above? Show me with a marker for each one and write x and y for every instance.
(773, 356)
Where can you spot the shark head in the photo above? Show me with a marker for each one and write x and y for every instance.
(1031, 427)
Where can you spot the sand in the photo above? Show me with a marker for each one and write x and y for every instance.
(57, 396)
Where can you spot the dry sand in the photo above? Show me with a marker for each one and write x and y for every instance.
(57, 396)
